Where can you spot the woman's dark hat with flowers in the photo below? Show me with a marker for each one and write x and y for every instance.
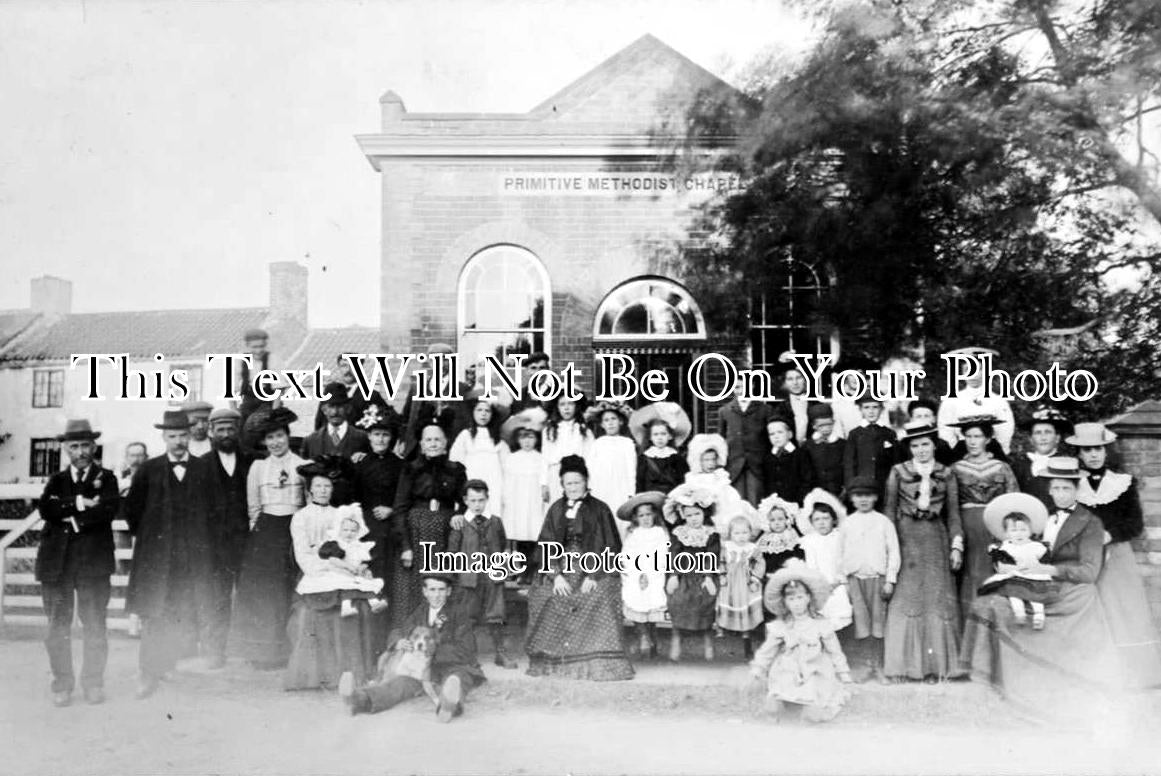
(376, 418)
(1050, 415)
(332, 467)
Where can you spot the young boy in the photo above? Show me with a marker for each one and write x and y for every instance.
(870, 562)
(786, 469)
(870, 449)
(483, 596)
(825, 449)
(743, 424)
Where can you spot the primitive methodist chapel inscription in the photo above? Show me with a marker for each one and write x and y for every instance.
(617, 184)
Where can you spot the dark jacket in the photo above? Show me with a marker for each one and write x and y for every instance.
(663, 474)
(455, 641)
(472, 539)
(229, 525)
(319, 443)
(87, 551)
(789, 474)
(745, 434)
(870, 452)
(1122, 517)
(170, 520)
(597, 529)
(1078, 552)
(355, 408)
(376, 484)
(424, 480)
(826, 460)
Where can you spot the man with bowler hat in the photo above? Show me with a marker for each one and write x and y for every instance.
(170, 586)
(75, 561)
(338, 437)
(229, 524)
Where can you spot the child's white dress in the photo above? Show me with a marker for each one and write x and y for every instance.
(612, 462)
(525, 473)
(645, 602)
(483, 460)
(824, 555)
(310, 527)
(739, 607)
(572, 438)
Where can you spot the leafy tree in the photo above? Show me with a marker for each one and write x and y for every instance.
(958, 192)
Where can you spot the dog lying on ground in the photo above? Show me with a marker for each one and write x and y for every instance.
(415, 663)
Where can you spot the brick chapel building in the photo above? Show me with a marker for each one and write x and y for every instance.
(538, 231)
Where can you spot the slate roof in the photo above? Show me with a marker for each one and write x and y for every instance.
(322, 345)
(13, 322)
(141, 334)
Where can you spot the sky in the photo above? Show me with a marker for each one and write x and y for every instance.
(160, 154)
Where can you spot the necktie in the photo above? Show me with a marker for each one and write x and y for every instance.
(335, 439)
(78, 475)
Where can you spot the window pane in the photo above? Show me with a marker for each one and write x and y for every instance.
(648, 307)
(503, 290)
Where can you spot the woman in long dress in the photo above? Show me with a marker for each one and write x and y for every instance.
(980, 477)
(429, 491)
(325, 640)
(574, 617)
(923, 627)
(275, 492)
(1112, 497)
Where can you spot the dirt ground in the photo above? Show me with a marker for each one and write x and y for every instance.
(670, 720)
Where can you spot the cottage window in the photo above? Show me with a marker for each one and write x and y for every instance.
(649, 308)
(504, 302)
(48, 388)
(45, 460)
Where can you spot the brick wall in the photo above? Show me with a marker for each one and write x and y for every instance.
(1141, 457)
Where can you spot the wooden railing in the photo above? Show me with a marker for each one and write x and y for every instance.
(26, 607)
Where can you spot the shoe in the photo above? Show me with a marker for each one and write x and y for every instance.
(94, 696)
(931, 679)
(860, 674)
(347, 692)
(709, 649)
(215, 662)
(1038, 622)
(504, 661)
(62, 699)
(450, 696)
(1020, 619)
(719, 633)
(880, 677)
(378, 605)
(134, 626)
(347, 609)
(146, 686)
(674, 648)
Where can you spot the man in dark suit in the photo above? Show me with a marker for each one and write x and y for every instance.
(454, 667)
(229, 524)
(743, 424)
(74, 562)
(357, 405)
(338, 437)
(171, 584)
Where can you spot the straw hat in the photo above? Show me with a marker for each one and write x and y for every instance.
(1061, 468)
(629, 508)
(686, 495)
(983, 419)
(1091, 435)
(703, 442)
(532, 419)
(795, 570)
(918, 430)
(1024, 503)
(670, 412)
(819, 496)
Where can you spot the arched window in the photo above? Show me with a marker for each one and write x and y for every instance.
(784, 317)
(648, 308)
(504, 301)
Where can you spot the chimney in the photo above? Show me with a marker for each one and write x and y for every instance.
(52, 295)
(392, 108)
(287, 321)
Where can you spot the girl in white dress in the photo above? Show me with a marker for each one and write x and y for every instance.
(480, 450)
(822, 541)
(612, 458)
(643, 589)
(525, 488)
(564, 435)
(707, 469)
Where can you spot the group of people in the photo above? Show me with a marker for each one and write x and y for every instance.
(847, 551)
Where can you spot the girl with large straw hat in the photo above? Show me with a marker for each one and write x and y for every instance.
(695, 548)
(660, 429)
(1112, 496)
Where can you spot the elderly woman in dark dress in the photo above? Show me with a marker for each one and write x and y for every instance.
(574, 618)
(429, 490)
(1065, 668)
(1112, 496)
(376, 484)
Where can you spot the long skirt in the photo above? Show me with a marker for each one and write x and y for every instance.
(577, 636)
(691, 608)
(1066, 670)
(325, 644)
(977, 565)
(406, 589)
(264, 593)
(1122, 593)
(923, 631)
